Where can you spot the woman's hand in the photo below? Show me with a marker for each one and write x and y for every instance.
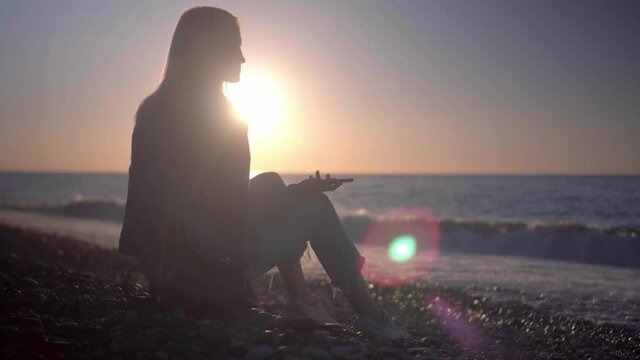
(318, 184)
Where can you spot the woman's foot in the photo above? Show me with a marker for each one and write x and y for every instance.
(384, 329)
(295, 309)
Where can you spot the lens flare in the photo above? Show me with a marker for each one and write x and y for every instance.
(402, 248)
(456, 323)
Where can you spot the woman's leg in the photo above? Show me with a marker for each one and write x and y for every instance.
(345, 271)
(312, 217)
(293, 278)
(267, 201)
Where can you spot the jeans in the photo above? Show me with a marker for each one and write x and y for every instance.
(284, 220)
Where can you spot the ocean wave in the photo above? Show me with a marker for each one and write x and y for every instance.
(80, 207)
(618, 246)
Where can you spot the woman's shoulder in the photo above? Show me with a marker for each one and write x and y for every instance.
(154, 116)
(150, 107)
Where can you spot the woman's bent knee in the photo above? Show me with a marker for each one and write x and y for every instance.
(268, 180)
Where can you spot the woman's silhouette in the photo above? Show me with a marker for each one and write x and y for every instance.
(201, 227)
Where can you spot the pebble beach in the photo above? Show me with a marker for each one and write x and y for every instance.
(66, 299)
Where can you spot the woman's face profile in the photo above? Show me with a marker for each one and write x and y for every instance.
(233, 61)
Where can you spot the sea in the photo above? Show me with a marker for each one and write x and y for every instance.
(567, 244)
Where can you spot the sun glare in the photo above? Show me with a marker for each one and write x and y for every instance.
(254, 172)
(258, 100)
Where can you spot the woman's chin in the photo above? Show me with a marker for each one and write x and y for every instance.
(233, 79)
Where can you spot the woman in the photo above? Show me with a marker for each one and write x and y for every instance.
(203, 230)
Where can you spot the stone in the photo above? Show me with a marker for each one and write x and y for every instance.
(393, 352)
(292, 357)
(7, 330)
(341, 351)
(315, 353)
(98, 354)
(418, 350)
(259, 353)
(204, 322)
(29, 281)
(40, 290)
(179, 314)
(162, 355)
(195, 347)
(114, 346)
(131, 315)
(322, 336)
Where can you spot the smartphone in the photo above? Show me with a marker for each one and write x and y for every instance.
(345, 180)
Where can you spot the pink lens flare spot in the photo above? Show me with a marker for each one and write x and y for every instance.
(456, 323)
(401, 246)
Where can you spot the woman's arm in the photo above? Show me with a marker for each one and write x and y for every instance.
(232, 190)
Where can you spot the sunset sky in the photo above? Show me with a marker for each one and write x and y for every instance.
(474, 87)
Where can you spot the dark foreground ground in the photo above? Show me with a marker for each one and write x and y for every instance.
(64, 299)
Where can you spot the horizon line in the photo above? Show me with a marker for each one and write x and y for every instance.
(99, 172)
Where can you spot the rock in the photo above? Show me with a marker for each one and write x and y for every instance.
(114, 346)
(321, 333)
(393, 352)
(26, 320)
(209, 336)
(259, 353)
(292, 357)
(236, 347)
(9, 331)
(98, 354)
(283, 349)
(315, 353)
(147, 343)
(161, 355)
(180, 347)
(32, 330)
(17, 301)
(42, 291)
(131, 315)
(112, 318)
(69, 325)
(108, 300)
(29, 281)
(204, 322)
(418, 350)
(179, 314)
(152, 333)
(59, 344)
(195, 347)
(341, 351)
(322, 336)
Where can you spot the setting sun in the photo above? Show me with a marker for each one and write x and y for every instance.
(259, 101)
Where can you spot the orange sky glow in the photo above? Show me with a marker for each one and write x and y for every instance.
(344, 88)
